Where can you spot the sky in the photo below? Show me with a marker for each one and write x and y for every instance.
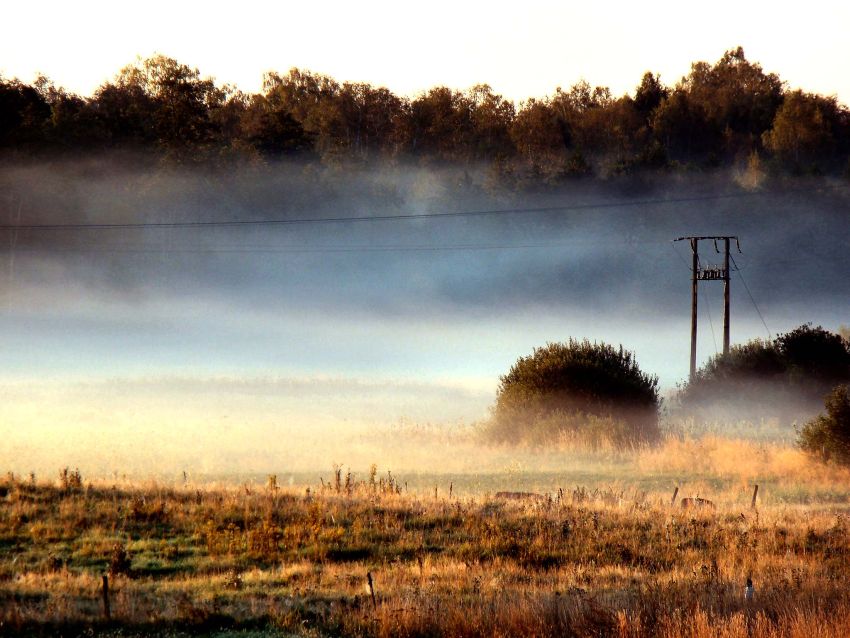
(521, 49)
(114, 340)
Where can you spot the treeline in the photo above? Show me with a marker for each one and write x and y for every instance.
(729, 114)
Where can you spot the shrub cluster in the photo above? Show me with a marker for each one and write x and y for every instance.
(828, 435)
(784, 378)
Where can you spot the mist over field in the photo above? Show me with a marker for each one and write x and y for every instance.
(255, 346)
(335, 342)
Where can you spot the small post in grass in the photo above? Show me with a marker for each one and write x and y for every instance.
(105, 579)
(755, 494)
(371, 589)
(675, 494)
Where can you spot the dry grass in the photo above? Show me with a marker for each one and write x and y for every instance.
(611, 559)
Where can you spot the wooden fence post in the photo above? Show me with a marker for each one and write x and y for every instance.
(755, 494)
(106, 614)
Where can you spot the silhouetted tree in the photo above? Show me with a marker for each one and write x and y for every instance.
(73, 125)
(683, 128)
(24, 115)
(649, 94)
(124, 115)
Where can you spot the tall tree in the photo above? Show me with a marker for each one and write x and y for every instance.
(24, 115)
(272, 132)
(311, 100)
(124, 114)
(366, 120)
(179, 102)
(649, 94)
(683, 127)
(803, 129)
(578, 113)
(440, 125)
(537, 132)
(491, 117)
(738, 98)
(73, 125)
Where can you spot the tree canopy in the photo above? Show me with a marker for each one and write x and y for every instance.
(720, 114)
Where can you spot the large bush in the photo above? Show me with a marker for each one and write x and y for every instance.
(784, 378)
(814, 358)
(828, 436)
(579, 389)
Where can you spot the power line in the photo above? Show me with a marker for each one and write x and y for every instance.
(755, 305)
(298, 249)
(388, 217)
(679, 255)
(272, 249)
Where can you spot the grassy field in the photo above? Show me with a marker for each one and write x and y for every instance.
(602, 553)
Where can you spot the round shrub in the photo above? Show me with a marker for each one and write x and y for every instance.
(828, 435)
(589, 391)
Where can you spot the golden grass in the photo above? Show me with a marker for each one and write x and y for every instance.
(613, 558)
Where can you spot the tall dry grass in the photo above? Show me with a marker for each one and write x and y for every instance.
(605, 560)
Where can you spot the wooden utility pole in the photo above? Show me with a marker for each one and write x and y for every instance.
(726, 295)
(709, 273)
(694, 301)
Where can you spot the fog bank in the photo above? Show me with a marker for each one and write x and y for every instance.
(402, 306)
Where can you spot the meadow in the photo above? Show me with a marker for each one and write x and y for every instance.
(602, 552)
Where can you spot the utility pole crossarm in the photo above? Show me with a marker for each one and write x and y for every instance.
(712, 237)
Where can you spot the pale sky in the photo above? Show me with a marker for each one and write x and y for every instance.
(521, 49)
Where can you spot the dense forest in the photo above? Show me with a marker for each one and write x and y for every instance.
(730, 114)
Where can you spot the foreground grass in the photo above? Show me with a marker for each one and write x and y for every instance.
(615, 560)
